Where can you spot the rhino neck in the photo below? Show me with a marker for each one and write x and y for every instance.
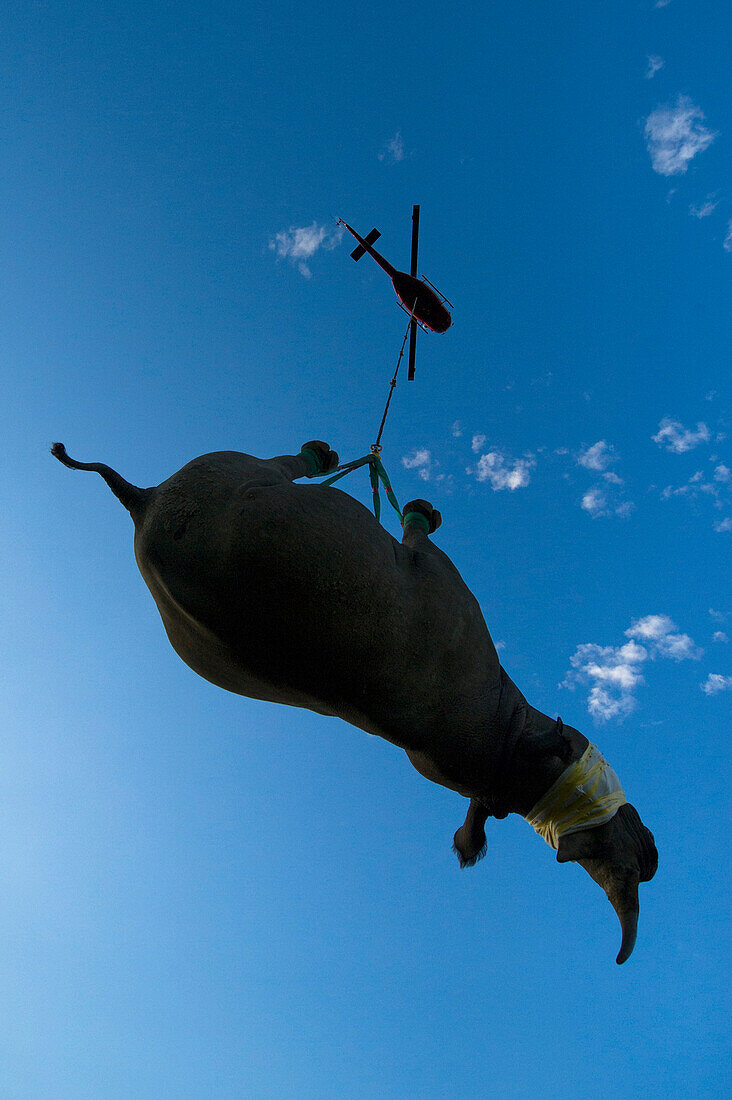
(536, 750)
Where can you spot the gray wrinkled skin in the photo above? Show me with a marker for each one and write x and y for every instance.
(294, 593)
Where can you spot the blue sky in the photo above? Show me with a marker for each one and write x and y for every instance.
(207, 896)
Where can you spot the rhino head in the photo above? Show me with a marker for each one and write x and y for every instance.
(618, 855)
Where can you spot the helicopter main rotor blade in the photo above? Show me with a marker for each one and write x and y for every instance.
(412, 349)
(415, 240)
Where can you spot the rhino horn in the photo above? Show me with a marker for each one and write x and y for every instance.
(621, 887)
(133, 498)
(617, 855)
(623, 896)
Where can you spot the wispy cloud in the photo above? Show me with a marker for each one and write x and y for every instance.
(598, 456)
(719, 636)
(704, 209)
(599, 502)
(394, 150)
(662, 3)
(693, 488)
(457, 429)
(301, 244)
(476, 443)
(605, 499)
(419, 460)
(502, 472)
(715, 683)
(727, 242)
(676, 438)
(715, 488)
(654, 64)
(675, 134)
(661, 634)
(613, 673)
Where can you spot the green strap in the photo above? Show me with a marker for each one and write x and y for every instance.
(416, 519)
(346, 467)
(313, 460)
(388, 489)
(374, 477)
(376, 473)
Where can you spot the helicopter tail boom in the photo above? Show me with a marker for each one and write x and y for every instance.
(366, 246)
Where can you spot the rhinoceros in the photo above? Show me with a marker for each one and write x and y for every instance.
(295, 593)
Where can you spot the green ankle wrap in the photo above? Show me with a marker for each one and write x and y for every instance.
(315, 465)
(418, 520)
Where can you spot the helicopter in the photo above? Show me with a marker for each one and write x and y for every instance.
(418, 297)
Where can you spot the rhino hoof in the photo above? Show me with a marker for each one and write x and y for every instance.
(321, 454)
(433, 517)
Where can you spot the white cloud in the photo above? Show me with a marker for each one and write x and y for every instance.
(394, 150)
(598, 501)
(419, 460)
(477, 443)
(704, 209)
(654, 64)
(457, 429)
(662, 3)
(503, 473)
(624, 510)
(719, 636)
(718, 616)
(675, 437)
(595, 502)
(727, 242)
(598, 456)
(603, 500)
(693, 488)
(300, 244)
(613, 673)
(715, 683)
(715, 488)
(674, 135)
(660, 633)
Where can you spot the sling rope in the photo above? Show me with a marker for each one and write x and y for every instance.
(377, 472)
(377, 445)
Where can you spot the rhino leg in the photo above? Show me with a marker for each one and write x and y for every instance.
(421, 508)
(315, 458)
(469, 843)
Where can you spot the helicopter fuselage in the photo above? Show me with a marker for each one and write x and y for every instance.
(419, 299)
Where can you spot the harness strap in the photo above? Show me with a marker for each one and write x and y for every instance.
(377, 474)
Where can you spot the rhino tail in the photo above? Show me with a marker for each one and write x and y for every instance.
(133, 498)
